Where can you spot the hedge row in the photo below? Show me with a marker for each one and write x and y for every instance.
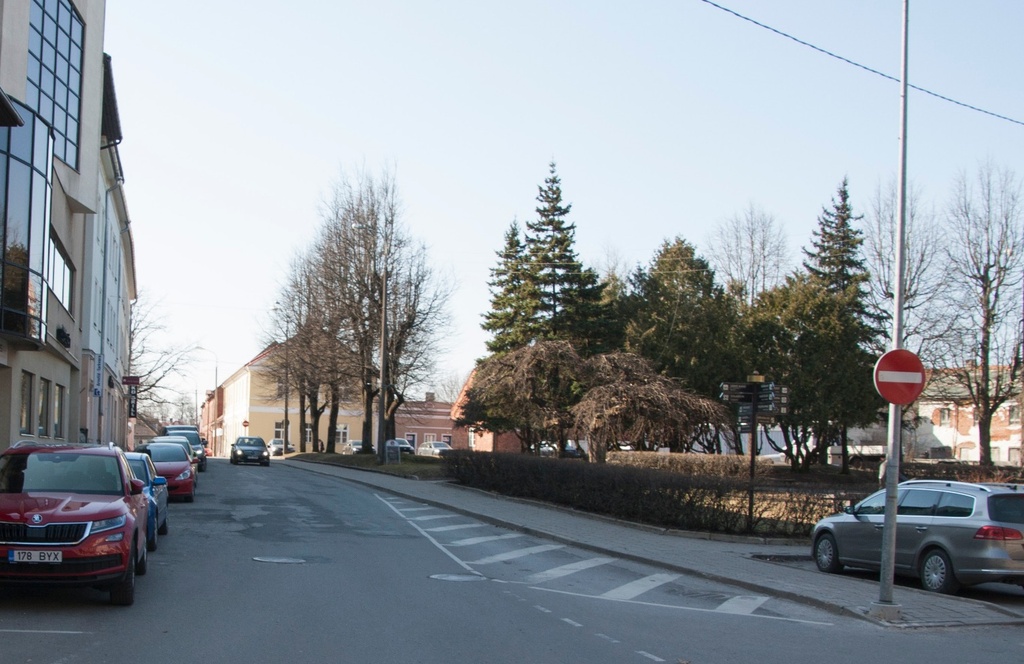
(702, 501)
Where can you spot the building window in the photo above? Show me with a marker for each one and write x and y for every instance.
(1014, 414)
(446, 438)
(26, 403)
(309, 433)
(58, 411)
(25, 191)
(944, 414)
(54, 85)
(429, 437)
(59, 274)
(43, 413)
(279, 429)
(411, 437)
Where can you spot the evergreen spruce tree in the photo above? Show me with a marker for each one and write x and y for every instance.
(569, 295)
(835, 265)
(512, 319)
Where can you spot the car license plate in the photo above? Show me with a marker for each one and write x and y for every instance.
(31, 556)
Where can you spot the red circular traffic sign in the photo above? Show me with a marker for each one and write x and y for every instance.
(245, 424)
(899, 376)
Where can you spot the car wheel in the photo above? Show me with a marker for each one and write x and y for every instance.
(190, 498)
(264, 463)
(153, 542)
(163, 527)
(122, 593)
(937, 573)
(826, 554)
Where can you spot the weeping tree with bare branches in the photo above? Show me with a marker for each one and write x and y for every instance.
(628, 401)
(546, 391)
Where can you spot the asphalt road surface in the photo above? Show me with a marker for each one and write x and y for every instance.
(281, 565)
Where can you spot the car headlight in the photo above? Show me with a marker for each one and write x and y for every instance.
(109, 524)
(265, 453)
(185, 475)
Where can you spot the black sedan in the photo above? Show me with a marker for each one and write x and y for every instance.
(250, 449)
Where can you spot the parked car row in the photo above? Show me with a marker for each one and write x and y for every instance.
(88, 514)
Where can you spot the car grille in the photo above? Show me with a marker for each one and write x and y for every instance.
(54, 533)
(67, 570)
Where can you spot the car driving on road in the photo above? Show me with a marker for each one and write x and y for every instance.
(250, 449)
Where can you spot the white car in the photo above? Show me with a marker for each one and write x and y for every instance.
(276, 446)
(433, 448)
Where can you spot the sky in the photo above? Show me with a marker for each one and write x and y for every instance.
(665, 119)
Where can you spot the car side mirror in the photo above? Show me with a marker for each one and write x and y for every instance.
(137, 486)
(159, 481)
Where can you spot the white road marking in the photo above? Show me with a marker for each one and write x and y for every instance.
(441, 529)
(607, 638)
(518, 553)
(566, 570)
(480, 540)
(541, 608)
(640, 586)
(403, 510)
(675, 606)
(649, 656)
(742, 604)
(434, 517)
(571, 622)
(40, 631)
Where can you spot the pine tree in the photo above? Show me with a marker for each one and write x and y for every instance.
(836, 261)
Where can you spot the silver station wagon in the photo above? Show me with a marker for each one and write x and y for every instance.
(948, 534)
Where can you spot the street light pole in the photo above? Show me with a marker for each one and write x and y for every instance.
(287, 383)
(382, 387)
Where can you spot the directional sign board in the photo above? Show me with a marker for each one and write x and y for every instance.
(899, 376)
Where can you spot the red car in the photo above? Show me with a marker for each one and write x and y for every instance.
(173, 462)
(74, 515)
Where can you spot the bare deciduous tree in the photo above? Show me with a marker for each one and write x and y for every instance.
(749, 253)
(153, 363)
(985, 256)
(925, 320)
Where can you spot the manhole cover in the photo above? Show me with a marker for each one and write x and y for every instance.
(280, 561)
(458, 577)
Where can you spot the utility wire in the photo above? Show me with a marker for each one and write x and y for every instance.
(857, 64)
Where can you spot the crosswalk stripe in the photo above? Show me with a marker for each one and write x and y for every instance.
(481, 540)
(519, 553)
(434, 517)
(566, 570)
(640, 586)
(461, 526)
(742, 604)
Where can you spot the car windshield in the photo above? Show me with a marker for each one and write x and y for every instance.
(139, 468)
(65, 472)
(167, 452)
(251, 441)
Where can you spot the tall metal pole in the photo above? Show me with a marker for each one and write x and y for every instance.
(287, 381)
(382, 387)
(885, 608)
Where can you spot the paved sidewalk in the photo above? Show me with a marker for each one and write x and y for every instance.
(757, 565)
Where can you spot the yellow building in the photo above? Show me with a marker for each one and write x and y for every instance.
(251, 402)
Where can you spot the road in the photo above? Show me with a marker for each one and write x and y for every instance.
(281, 565)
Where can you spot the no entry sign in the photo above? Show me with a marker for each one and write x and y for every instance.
(899, 376)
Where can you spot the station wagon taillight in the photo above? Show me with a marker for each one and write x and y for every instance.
(997, 533)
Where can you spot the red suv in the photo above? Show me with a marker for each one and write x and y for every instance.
(72, 514)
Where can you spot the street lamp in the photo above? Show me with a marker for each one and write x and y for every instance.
(381, 399)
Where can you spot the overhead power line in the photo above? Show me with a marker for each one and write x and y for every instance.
(858, 65)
